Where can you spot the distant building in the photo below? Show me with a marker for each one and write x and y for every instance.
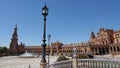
(107, 41)
(15, 49)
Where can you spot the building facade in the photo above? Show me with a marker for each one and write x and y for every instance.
(106, 41)
(15, 48)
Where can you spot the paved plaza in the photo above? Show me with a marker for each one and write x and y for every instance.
(15, 62)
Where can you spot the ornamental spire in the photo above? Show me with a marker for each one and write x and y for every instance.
(14, 42)
(15, 31)
(92, 35)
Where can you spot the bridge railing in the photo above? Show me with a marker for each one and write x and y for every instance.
(86, 63)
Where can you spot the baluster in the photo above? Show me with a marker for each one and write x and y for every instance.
(91, 63)
(105, 64)
(99, 64)
(115, 64)
(88, 63)
(96, 64)
(108, 64)
(118, 64)
(80, 63)
(112, 64)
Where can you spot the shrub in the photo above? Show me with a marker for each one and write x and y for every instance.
(90, 56)
(62, 58)
(82, 56)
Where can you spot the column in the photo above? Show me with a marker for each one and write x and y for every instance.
(75, 63)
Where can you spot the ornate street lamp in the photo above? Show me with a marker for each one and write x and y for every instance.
(44, 13)
(49, 36)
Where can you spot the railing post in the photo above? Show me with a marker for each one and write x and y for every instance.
(108, 63)
(99, 64)
(88, 63)
(102, 63)
(112, 63)
(115, 64)
(118, 64)
(75, 63)
(96, 64)
(43, 65)
(105, 64)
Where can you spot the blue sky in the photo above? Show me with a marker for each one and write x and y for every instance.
(69, 21)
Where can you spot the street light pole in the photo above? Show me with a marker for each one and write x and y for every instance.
(49, 36)
(43, 60)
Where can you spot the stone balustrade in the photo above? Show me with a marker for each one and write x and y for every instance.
(86, 63)
(62, 64)
(98, 63)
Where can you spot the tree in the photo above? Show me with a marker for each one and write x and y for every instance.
(3, 50)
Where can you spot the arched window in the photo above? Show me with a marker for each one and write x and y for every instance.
(95, 49)
(114, 49)
(106, 41)
(118, 49)
(85, 50)
(111, 41)
(111, 48)
(103, 42)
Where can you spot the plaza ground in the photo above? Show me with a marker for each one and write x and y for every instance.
(15, 62)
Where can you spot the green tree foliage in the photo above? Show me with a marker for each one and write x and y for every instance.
(90, 56)
(82, 56)
(3, 50)
(62, 58)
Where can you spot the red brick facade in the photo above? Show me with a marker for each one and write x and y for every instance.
(106, 41)
(15, 49)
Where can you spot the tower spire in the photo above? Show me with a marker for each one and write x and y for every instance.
(92, 35)
(15, 25)
(14, 42)
(15, 32)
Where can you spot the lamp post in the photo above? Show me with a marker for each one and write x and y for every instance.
(43, 60)
(49, 36)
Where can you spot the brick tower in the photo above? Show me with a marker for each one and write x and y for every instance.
(14, 42)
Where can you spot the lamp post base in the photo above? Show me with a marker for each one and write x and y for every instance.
(43, 64)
